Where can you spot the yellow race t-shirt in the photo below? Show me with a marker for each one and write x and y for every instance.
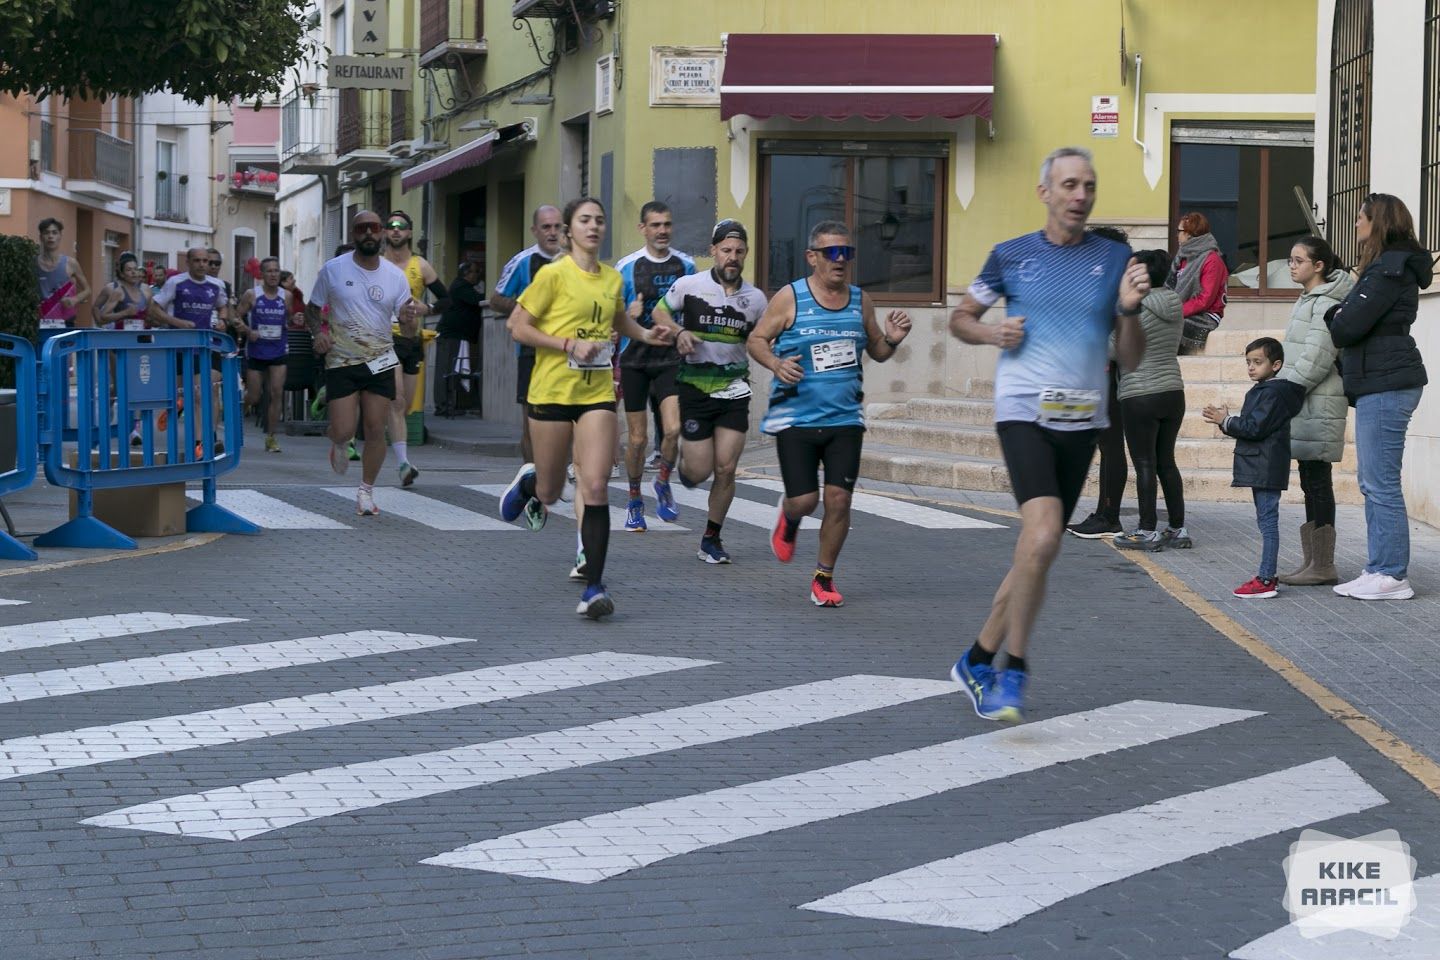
(569, 302)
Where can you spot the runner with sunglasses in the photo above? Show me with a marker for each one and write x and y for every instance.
(812, 337)
(364, 291)
(409, 346)
(711, 315)
(569, 315)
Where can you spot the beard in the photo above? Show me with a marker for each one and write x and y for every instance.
(368, 247)
(398, 244)
(730, 273)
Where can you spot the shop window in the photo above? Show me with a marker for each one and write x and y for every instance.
(890, 193)
(1252, 185)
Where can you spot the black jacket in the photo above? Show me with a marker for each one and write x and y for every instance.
(1262, 434)
(1372, 325)
(460, 317)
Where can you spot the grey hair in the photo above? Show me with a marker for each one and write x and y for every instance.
(1059, 154)
(828, 228)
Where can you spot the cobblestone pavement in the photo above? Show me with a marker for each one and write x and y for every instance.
(392, 737)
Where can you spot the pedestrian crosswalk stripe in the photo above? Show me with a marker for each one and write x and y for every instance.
(65, 750)
(214, 662)
(561, 508)
(901, 510)
(13, 603)
(272, 514)
(435, 514)
(994, 886)
(609, 844)
(260, 806)
(1416, 940)
(741, 510)
(50, 633)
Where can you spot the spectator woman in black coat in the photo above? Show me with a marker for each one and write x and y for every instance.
(1383, 375)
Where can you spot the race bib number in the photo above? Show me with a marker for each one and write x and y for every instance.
(52, 323)
(601, 360)
(270, 331)
(134, 323)
(738, 389)
(833, 355)
(1065, 405)
(386, 361)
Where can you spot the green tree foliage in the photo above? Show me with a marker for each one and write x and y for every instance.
(196, 48)
(19, 295)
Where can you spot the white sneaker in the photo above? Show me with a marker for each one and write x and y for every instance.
(1382, 587)
(1347, 588)
(365, 503)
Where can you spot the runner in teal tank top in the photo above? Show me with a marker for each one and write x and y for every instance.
(813, 337)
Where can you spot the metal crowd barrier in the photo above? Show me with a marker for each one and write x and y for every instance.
(95, 386)
(26, 457)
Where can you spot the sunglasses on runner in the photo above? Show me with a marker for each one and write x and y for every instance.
(397, 225)
(368, 228)
(835, 254)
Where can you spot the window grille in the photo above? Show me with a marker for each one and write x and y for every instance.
(1351, 50)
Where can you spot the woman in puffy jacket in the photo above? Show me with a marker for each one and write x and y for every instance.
(1199, 276)
(1317, 434)
(1383, 375)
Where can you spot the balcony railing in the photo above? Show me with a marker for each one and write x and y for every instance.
(172, 199)
(434, 23)
(307, 124)
(101, 158)
(364, 121)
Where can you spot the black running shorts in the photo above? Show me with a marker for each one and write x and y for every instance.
(638, 384)
(411, 352)
(357, 378)
(566, 412)
(701, 413)
(524, 366)
(802, 449)
(1046, 463)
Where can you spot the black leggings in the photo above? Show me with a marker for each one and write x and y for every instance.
(1319, 490)
(1113, 469)
(1152, 422)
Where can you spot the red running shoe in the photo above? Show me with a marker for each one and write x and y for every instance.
(824, 594)
(1257, 589)
(783, 549)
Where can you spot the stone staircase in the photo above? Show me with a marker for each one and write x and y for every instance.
(951, 442)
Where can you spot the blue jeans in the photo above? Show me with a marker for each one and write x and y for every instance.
(1267, 518)
(1380, 423)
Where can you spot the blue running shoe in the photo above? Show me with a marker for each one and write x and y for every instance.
(1006, 701)
(595, 603)
(665, 502)
(512, 501)
(635, 516)
(977, 679)
(712, 550)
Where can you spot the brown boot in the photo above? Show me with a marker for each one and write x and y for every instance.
(1307, 533)
(1322, 560)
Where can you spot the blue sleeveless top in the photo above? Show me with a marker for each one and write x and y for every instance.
(267, 318)
(829, 345)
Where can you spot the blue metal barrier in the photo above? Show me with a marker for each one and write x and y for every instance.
(26, 459)
(129, 387)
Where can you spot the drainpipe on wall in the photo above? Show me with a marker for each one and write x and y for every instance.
(1135, 130)
(137, 196)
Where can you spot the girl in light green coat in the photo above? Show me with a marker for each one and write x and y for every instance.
(1317, 434)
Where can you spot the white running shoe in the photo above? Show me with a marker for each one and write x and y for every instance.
(365, 503)
(339, 460)
(1349, 586)
(1383, 587)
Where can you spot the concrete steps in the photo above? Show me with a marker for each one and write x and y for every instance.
(950, 441)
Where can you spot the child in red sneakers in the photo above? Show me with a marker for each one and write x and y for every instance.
(1262, 452)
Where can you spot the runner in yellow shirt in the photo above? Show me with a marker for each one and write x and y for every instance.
(569, 315)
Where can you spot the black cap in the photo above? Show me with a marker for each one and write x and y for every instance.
(729, 228)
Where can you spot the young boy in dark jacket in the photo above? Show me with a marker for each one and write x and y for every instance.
(1262, 452)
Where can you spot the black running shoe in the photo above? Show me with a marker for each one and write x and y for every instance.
(1095, 527)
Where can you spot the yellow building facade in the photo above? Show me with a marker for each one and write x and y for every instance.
(1213, 110)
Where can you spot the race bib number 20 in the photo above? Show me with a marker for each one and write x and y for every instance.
(833, 355)
(1065, 405)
